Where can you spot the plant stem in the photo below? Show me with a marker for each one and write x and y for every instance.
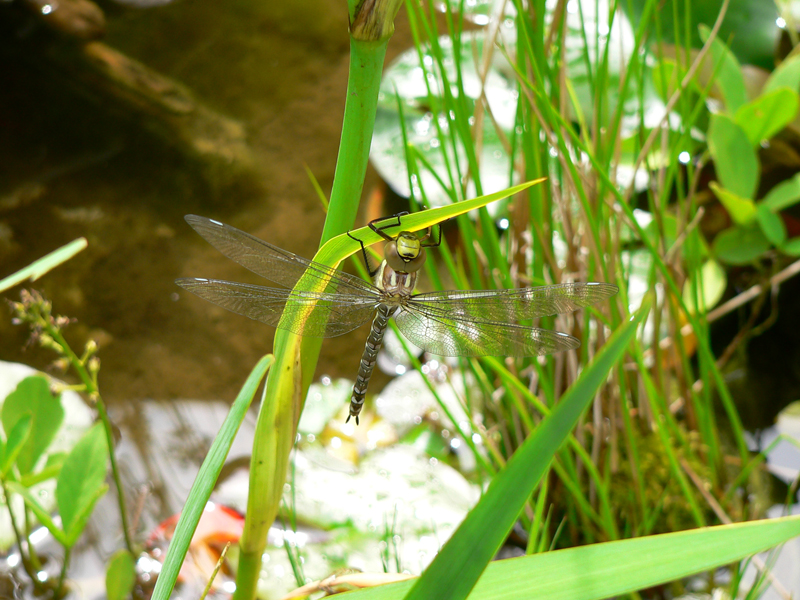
(296, 358)
(90, 381)
(30, 562)
(59, 593)
(366, 63)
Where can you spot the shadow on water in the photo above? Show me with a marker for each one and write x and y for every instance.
(81, 160)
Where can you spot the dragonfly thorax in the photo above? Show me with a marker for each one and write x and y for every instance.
(395, 284)
(405, 253)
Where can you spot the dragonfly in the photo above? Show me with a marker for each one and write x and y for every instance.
(468, 323)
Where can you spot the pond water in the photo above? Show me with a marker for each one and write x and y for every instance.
(81, 160)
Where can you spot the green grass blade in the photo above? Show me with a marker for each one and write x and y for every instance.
(614, 568)
(44, 264)
(342, 246)
(205, 481)
(458, 566)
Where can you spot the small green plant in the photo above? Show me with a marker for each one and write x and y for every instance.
(734, 137)
(31, 416)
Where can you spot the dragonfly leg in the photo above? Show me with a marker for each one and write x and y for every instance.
(432, 244)
(381, 232)
(370, 270)
(382, 229)
(388, 223)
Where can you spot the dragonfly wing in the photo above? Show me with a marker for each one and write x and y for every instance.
(510, 306)
(271, 262)
(333, 314)
(452, 335)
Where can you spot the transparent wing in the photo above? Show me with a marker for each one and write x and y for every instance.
(271, 262)
(510, 306)
(455, 336)
(484, 323)
(333, 315)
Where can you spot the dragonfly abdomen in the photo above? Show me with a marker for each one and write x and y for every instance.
(369, 357)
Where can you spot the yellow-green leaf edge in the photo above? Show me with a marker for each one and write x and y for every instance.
(613, 568)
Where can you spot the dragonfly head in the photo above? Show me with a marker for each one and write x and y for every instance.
(405, 253)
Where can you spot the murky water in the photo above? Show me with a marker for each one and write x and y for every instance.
(78, 161)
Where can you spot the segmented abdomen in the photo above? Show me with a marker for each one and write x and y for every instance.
(368, 358)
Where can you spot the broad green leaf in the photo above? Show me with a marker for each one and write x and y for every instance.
(51, 469)
(82, 517)
(456, 569)
(120, 575)
(735, 159)
(786, 75)
(729, 78)
(619, 568)
(771, 225)
(711, 287)
(741, 210)
(56, 459)
(16, 440)
(783, 195)
(768, 114)
(42, 515)
(792, 247)
(206, 480)
(82, 474)
(740, 245)
(32, 397)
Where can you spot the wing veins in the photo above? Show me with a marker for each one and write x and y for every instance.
(498, 339)
(269, 261)
(287, 309)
